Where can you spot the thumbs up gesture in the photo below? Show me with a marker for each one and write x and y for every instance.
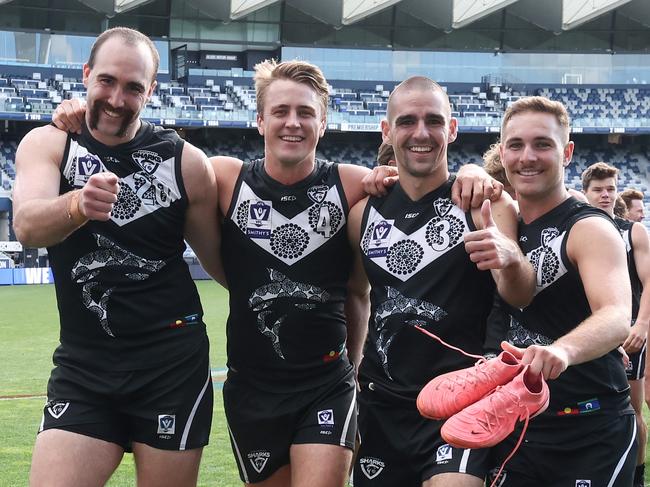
(489, 248)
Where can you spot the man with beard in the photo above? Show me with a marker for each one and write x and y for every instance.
(578, 317)
(113, 205)
(421, 275)
(599, 184)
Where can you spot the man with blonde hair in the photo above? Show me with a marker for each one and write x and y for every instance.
(599, 184)
(572, 328)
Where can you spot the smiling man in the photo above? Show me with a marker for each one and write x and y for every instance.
(570, 332)
(298, 309)
(430, 265)
(113, 205)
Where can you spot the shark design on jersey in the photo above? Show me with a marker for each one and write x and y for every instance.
(520, 336)
(398, 304)
(102, 270)
(279, 297)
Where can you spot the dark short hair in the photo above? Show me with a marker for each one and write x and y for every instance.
(385, 154)
(130, 37)
(598, 171)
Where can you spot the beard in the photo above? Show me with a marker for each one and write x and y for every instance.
(128, 116)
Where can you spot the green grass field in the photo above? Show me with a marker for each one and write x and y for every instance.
(29, 333)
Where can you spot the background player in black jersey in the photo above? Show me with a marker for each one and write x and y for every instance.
(599, 183)
(161, 409)
(421, 274)
(634, 201)
(579, 315)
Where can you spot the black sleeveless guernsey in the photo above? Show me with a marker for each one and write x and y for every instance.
(625, 227)
(125, 295)
(560, 304)
(287, 261)
(414, 255)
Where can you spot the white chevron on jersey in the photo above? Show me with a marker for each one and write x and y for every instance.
(141, 193)
(547, 258)
(291, 239)
(406, 255)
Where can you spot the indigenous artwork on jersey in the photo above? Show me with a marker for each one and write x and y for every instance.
(142, 192)
(397, 313)
(402, 254)
(102, 270)
(274, 302)
(287, 237)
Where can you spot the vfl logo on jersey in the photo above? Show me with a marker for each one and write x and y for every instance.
(378, 246)
(326, 417)
(87, 165)
(258, 459)
(583, 483)
(147, 160)
(443, 454)
(371, 467)
(166, 424)
(57, 408)
(317, 193)
(259, 220)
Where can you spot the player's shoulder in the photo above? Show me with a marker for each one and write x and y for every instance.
(48, 134)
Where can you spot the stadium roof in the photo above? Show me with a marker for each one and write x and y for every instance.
(552, 15)
(447, 15)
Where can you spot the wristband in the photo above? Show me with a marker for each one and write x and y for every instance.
(74, 213)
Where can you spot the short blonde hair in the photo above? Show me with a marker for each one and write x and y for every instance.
(270, 70)
(492, 163)
(538, 104)
(620, 208)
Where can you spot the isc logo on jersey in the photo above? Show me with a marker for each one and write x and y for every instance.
(166, 424)
(371, 467)
(443, 454)
(583, 483)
